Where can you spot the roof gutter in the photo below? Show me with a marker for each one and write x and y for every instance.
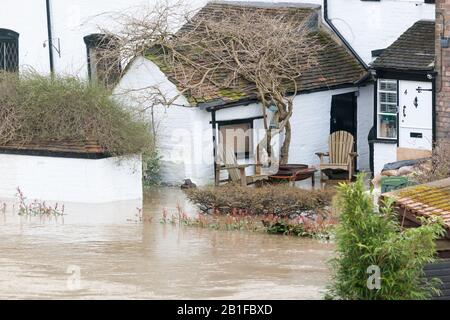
(50, 37)
(335, 30)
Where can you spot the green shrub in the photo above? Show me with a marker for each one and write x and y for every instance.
(277, 200)
(366, 238)
(151, 162)
(40, 108)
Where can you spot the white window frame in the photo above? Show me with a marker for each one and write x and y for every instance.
(379, 113)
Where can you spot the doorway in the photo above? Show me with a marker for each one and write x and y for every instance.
(343, 116)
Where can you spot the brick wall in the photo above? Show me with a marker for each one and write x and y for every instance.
(443, 69)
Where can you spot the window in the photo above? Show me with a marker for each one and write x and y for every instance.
(9, 50)
(237, 136)
(103, 60)
(387, 109)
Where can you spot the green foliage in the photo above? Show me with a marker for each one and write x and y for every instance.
(151, 168)
(366, 238)
(40, 108)
(316, 228)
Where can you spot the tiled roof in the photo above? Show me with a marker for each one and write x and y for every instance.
(68, 146)
(335, 65)
(427, 200)
(412, 51)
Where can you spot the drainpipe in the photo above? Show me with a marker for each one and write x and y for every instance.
(335, 30)
(50, 37)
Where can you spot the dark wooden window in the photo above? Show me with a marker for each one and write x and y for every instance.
(9, 50)
(104, 65)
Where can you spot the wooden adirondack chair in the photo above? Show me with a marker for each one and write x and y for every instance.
(236, 172)
(340, 154)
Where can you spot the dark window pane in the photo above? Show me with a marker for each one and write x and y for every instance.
(9, 55)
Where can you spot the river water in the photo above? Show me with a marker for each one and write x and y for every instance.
(110, 251)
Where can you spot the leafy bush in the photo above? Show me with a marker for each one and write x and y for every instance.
(151, 168)
(277, 200)
(317, 226)
(40, 108)
(366, 238)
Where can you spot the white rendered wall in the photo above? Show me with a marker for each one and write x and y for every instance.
(366, 25)
(372, 25)
(69, 179)
(28, 18)
(311, 125)
(383, 153)
(71, 21)
(365, 122)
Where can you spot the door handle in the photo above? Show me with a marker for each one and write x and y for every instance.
(404, 111)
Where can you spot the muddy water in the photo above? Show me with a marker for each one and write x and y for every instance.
(108, 251)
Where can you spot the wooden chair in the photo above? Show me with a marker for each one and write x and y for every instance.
(236, 172)
(340, 154)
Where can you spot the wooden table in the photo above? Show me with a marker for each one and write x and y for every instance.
(292, 173)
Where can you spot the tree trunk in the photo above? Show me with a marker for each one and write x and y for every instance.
(284, 152)
(264, 144)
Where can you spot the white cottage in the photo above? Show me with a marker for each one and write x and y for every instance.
(404, 108)
(50, 35)
(332, 97)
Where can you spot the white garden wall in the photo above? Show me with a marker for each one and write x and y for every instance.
(70, 179)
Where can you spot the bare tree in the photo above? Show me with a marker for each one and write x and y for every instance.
(257, 52)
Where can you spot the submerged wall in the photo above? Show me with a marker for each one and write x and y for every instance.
(69, 179)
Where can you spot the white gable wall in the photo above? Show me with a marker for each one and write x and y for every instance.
(372, 25)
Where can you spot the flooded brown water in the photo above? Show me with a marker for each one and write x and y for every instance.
(106, 251)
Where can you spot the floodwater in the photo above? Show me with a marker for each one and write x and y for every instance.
(109, 252)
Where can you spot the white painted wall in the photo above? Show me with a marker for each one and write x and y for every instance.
(71, 21)
(28, 18)
(71, 180)
(366, 25)
(383, 153)
(371, 25)
(311, 125)
(365, 122)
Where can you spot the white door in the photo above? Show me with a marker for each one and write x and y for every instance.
(415, 115)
